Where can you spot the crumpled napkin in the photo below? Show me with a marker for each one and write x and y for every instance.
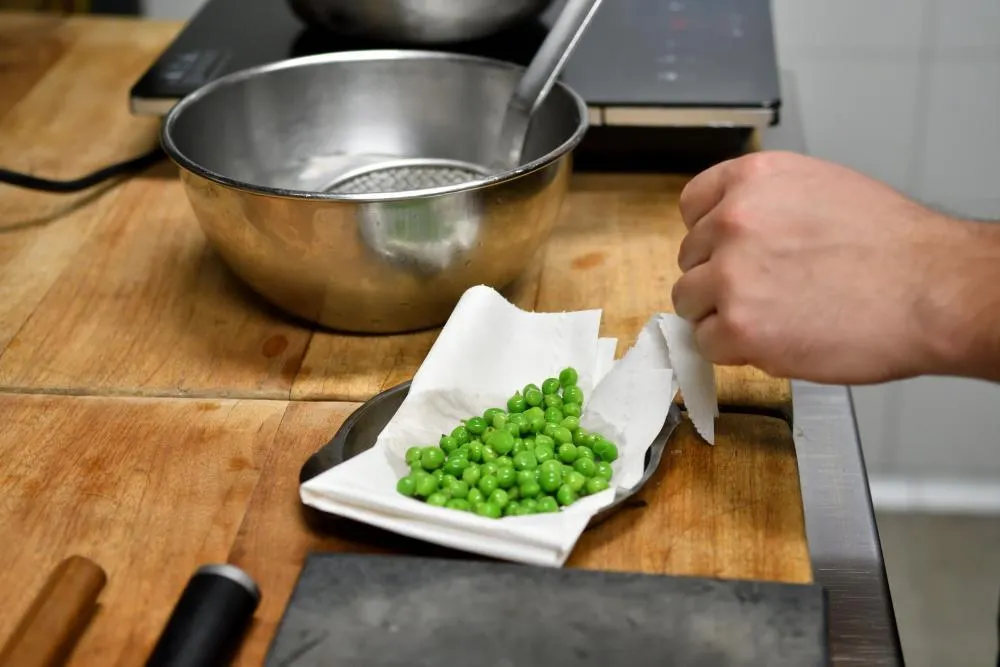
(488, 349)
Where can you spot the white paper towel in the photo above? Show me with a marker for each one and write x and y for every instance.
(488, 349)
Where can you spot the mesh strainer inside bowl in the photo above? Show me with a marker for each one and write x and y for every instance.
(405, 176)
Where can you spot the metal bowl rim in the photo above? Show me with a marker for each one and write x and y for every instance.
(238, 76)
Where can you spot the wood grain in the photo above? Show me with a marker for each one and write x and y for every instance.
(113, 291)
(49, 630)
(731, 511)
(148, 488)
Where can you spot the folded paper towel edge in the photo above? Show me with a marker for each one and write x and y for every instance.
(695, 375)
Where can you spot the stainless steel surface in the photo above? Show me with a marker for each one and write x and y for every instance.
(256, 168)
(539, 77)
(418, 21)
(361, 429)
(843, 538)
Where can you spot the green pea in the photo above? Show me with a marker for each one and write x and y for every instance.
(525, 476)
(567, 452)
(550, 429)
(489, 468)
(553, 415)
(407, 485)
(526, 461)
(574, 480)
(432, 458)
(447, 479)
(475, 496)
(501, 442)
(487, 484)
(426, 484)
(489, 454)
(516, 403)
(529, 506)
(499, 420)
(571, 424)
(437, 499)
(603, 470)
(438, 475)
(584, 465)
(448, 444)
(568, 377)
(585, 452)
(572, 409)
(455, 465)
(413, 455)
(476, 452)
(549, 481)
(529, 443)
(552, 466)
(512, 509)
(536, 424)
(580, 437)
(545, 441)
(487, 433)
(566, 469)
(530, 489)
(534, 412)
(471, 474)
(490, 413)
(459, 489)
(513, 428)
(566, 496)
(506, 477)
(550, 386)
(499, 497)
(531, 386)
(610, 453)
(543, 454)
(489, 510)
(460, 504)
(476, 425)
(504, 462)
(553, 401)
(533, 397)
(600, 444)
(416, 467)
(596, 485)
(572, 394)
(461, 435)
(547, 505)
(513, 493)
(463, 450)
(519, 446)
(562, 435)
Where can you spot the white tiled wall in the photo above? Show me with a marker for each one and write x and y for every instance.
(908, 91)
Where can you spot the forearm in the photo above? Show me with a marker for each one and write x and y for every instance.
(963, 311)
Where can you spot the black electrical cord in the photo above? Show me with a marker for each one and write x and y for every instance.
(134, 165)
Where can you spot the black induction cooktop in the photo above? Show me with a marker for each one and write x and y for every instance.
(661, 78)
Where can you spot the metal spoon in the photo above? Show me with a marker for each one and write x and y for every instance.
(538, 79)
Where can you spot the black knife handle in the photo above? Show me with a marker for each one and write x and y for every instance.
(209, 620)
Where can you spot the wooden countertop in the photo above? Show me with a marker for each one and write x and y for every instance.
(156, 412)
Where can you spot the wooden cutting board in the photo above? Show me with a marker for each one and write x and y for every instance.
(114, 291)
(151, 488)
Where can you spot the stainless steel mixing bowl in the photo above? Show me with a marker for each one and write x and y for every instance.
(418, 21)
(258, 150)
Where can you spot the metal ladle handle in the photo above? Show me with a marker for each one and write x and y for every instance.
(539, 77)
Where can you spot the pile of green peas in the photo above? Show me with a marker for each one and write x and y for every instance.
(531, 458)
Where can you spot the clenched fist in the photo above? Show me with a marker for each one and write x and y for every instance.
(809, 270)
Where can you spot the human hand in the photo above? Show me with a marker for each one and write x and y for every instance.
(807, 269)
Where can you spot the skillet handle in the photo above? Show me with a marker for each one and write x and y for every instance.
(49, 629)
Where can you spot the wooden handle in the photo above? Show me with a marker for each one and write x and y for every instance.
(51, 626)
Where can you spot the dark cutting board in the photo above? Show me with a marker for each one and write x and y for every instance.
(388, 611)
